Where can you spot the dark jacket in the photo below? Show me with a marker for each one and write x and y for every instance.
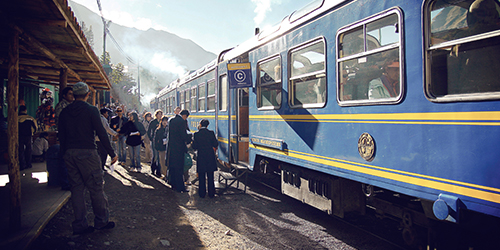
(79, 122)
(205, 142)
(177, 138)
(27, 125)
(114, 122)
(151, 130)
(159, 135)
(131, 127)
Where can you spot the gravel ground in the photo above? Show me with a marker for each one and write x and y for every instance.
(149, 215)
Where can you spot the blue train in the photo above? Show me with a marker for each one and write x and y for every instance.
(392, 105)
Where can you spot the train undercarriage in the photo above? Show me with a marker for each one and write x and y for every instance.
(418, 226)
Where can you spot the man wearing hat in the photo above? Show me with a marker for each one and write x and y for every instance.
(100, 148)
(176, 148)
(78, 123)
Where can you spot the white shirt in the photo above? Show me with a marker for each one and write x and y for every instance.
(40, 145)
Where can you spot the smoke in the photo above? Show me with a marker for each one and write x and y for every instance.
(168, 63)
(158, 66)
(261, 9)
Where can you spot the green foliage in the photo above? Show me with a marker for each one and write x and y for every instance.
(105, 58)
(123, 85)
(89, 34)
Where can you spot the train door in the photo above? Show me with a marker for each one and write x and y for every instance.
(239, 125)
(222, 114)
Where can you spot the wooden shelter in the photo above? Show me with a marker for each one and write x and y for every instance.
(41, 40)
(52, 45)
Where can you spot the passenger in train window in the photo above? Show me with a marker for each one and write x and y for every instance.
(387, 85)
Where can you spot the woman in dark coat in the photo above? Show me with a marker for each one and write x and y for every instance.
(206, 144)
(176, 148)
(159, 144)
(134, 130)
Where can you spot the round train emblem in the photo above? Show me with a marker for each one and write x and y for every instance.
(366, 147)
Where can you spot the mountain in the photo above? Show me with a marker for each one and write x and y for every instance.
(165, 55)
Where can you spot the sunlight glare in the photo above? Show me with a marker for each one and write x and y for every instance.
(41, 176)
(4, 179)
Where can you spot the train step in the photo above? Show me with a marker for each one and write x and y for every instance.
(237, 173)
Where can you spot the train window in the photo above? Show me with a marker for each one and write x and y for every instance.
(172, 104)
(181, 99)
(202, 91)
(167, 103)
(368, 57)
(463, 40)
(269, 83)
(223, 93)
(307, 83)
(211, 95)
(187, 99)
(194, 99)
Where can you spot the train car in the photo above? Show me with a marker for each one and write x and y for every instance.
(392, 105)
(153, 104)
(167, 98)
(197, 94)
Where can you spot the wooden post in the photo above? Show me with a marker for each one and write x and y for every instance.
(93, 96)
(63, 81)
(13, 132)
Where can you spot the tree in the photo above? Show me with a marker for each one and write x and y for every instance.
(89, 34)
(105, 58)
(124, 87)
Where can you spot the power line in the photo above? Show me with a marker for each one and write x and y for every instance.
(107, 31)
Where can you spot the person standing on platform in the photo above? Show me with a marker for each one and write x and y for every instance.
(67, 99)
(206, 144)
(147, 142)
(100, 148)
(27, 126)
(176, 148)
(134, 131)
(160, 144)
(78, 124)
(155, 168)
(116, 124)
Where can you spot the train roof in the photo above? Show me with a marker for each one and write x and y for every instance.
(290, 22)
(297, 18)
(197, 73)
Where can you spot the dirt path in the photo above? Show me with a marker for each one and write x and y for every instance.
(149, 215)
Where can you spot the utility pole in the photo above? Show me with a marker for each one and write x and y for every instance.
(139, 82)
(105, 30)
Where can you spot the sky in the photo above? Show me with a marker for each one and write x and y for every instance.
(215, 25)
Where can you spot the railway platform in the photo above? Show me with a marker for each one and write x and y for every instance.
(39, 203)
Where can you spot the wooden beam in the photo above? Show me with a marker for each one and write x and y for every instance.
(34, 62)
(62, 5)
(63, 81)
(69, 49)
(44, 50)
(45, 22)
(39, 61)
(13, 132)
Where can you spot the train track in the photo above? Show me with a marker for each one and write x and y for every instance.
(351, 224)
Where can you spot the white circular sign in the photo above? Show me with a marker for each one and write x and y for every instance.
(240, 76)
